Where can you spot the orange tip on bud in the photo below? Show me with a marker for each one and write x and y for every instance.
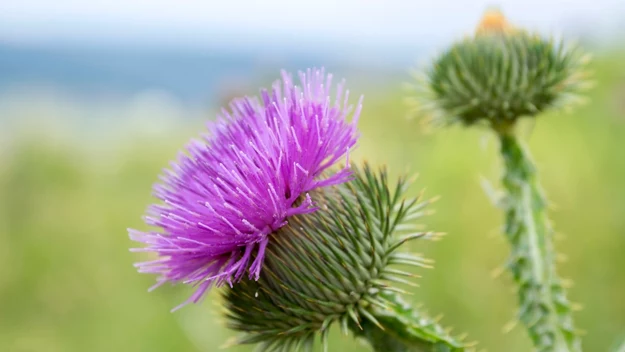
(493, 22)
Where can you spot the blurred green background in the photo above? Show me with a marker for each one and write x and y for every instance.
(69, 189)
(66, 276)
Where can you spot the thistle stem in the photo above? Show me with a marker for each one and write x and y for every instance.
(544, 308)
(406, 329)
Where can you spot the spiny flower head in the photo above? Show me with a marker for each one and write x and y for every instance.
(235, 187)
(336, 265)
(500, 74)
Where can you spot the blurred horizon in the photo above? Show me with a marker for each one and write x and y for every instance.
(195, 54)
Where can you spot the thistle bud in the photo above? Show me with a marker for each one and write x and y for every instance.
(495, 77)
(499, 74)
(334, 265)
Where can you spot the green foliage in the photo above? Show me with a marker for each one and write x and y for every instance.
(498, 77)
(543, 306)
(338, 265)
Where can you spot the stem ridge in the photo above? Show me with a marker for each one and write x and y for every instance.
(544, 309)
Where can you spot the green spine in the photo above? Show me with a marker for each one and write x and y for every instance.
(337, 265)
(544, 309)
(407, 329)
(495, 78)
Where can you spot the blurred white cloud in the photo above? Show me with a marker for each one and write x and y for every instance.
(357, 20)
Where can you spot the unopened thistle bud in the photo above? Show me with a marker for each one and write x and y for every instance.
(500, 74)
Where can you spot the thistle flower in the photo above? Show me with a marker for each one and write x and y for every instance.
(234, 188)
(339, 265)
(499, 75)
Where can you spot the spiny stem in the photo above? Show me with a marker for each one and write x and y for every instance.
(406, 329)
(544, 308)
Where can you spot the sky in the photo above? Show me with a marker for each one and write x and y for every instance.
(359, 21)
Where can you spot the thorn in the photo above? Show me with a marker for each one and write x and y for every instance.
(434, 199)
(495, 233)
(567, 283)
(429, 212)
(414, 178)
(509, 326)
(373, 319)
(552, 206)
(398, 290)
(562, 258)
(420, 227)
(491, 193)
(497, 272)
(231, 342)
(473, 344)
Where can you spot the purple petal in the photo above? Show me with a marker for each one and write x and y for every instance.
(234, 187)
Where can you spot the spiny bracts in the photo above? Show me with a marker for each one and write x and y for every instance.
(498, 75)
(339, 265)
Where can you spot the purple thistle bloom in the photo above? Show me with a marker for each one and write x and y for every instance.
(236, 186)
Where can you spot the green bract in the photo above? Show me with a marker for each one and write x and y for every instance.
(500, 76)
(338, 264)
